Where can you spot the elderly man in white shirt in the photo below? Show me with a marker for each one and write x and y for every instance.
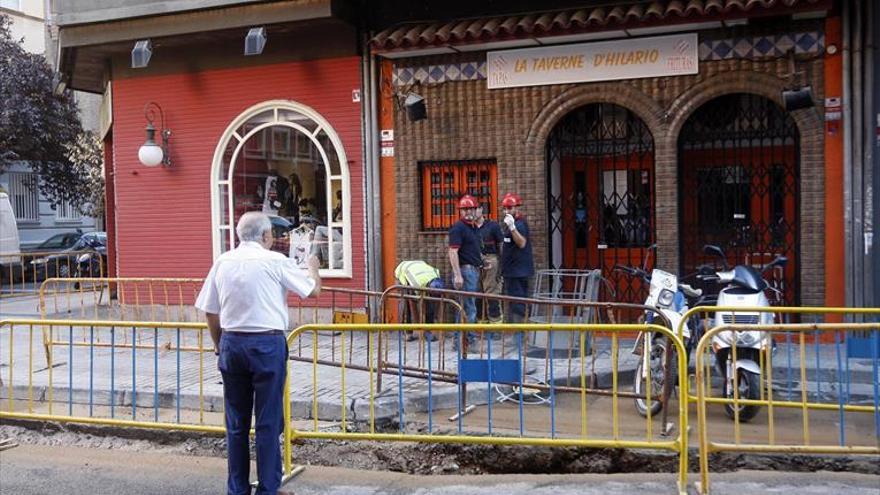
(245, 301)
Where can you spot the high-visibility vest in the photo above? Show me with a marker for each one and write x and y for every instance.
(415, 273)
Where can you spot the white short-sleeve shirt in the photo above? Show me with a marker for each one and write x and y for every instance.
(248, 287)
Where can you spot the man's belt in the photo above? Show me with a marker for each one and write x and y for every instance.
(251, 334)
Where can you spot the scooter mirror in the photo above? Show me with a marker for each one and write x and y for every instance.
(713, 250)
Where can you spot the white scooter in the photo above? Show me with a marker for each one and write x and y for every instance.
(671, 299)
(742, 286)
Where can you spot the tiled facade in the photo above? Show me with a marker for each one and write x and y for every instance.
(748, 48)
(467, 121)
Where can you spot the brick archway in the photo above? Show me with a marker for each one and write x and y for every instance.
(812, 173)
(626, 96)
(654, 117)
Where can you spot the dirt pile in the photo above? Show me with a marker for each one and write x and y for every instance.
(438, 459)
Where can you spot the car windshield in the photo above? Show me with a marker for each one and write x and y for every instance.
(55, 242)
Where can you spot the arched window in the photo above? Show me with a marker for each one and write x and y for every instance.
(284, 159)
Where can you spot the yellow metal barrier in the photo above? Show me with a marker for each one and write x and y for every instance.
(121, 298)
(779, 310)
(785, 311)
(160, 388)
(853, 437)
(568, 419)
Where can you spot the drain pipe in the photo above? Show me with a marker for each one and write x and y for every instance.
(874, 122)
(858, 164)
(869, 145)
(373, 207)
(847, 152)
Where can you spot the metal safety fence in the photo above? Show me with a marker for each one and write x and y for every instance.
(171, 299)
(787, 412)
(22, 273)
(563, 351)
(95, 374)
(493, 398)
(497, 395)
(495, 385)
(824, 350)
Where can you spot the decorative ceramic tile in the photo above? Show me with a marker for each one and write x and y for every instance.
(758, 47)
(762, 46)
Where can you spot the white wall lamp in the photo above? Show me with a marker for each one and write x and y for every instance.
(255, 41)
(141, 53)
(150, 153)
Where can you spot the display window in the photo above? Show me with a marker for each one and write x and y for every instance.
(285, 160)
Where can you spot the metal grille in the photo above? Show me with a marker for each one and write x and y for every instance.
(600, 161)
(24, 196)
(443, 183)
(739, 186)
(740, 319)
(65, 212)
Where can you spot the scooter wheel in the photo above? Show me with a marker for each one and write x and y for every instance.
(657, 361)
(749, 388)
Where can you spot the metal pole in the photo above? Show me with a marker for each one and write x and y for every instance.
(847, 153)
(858, 164)
(870, 152)
(371, 166)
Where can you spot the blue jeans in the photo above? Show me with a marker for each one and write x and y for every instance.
(254, 368)
(471, 276)
(517, 287)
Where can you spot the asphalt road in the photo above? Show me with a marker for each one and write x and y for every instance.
(49, 470)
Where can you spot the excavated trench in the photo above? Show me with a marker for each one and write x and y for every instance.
(423, 459)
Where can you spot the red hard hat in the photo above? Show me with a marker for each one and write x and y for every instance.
(511, 199)
(467, 201)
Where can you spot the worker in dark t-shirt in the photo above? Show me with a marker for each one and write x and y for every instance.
(517, 264)
(464, 255)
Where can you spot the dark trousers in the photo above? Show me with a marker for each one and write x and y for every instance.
(517, 287)
(254, 368)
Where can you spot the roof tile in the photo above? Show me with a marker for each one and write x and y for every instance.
(625, 14)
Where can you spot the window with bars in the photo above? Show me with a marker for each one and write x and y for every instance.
(444, 182)
(24, 196)
(65, 212)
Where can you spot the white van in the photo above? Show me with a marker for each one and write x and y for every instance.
(9, 244)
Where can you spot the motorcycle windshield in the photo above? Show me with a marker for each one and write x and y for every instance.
(749, 278)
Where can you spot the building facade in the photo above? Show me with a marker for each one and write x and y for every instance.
(610, 168)
(278, 131)
(611, 162)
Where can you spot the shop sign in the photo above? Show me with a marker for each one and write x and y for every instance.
(659, 56)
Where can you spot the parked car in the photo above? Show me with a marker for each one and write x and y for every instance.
(57, 242)
(65, 262)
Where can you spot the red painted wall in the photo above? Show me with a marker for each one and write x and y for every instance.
(163, 215)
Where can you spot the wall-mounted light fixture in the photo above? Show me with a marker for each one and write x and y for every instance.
(141, 53)
(796, 96)
(255, 41)
(150, 153)
(415, 107)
